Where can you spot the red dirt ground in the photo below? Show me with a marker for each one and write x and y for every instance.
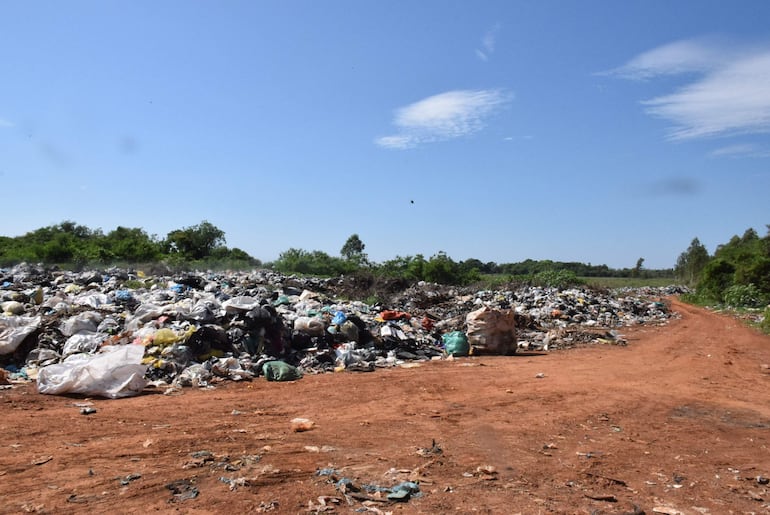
(678, 421)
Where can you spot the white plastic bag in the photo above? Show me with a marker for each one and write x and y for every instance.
(83, 322)
(83, 342)
(13, 330)
(240, 304)
(114, 372)
(313, 326)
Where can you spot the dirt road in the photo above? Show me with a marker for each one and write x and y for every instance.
(678, 421)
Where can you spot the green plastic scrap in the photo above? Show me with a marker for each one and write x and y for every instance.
(280, 371)
(456, 343)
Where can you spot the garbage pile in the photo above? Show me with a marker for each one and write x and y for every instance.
(111, 332)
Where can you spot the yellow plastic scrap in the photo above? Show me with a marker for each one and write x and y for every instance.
(154, 362)
(72, 288)
(213, 353)
(165, 336)
(37, 297)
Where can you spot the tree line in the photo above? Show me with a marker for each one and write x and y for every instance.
(69, 243)
(738, 274)
(441, 268)
(203, 245)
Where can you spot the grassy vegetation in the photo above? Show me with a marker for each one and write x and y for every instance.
(496, 281)
(629, 282)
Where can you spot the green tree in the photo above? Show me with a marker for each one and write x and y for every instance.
(353, 250)
(133, 245)
(690, 263)
(196, 242)
(300, 261)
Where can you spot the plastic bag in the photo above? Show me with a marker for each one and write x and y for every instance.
(115, 372)
(240, 304)
(195, 375)
(339, 318)
(456, 343)
(280, 371)
(83, 342)
(88, 321)
(14, 329)
(313, 326)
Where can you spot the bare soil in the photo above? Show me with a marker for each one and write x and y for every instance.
(677, 421)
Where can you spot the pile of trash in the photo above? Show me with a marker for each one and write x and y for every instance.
(111, 332)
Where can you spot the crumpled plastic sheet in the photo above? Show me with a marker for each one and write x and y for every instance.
(114, 372)
(14, 329)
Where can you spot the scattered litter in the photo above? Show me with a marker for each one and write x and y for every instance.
(602, 497)
(298, 425)
(41, 460)
(234, 483)
(183, 489)
(433, 450)
(129, 478)
(315, 448)
(487, 472)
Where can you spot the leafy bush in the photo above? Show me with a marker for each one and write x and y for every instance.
(556, 279)
(298, 261)
(716, 277)
(743, 296)
(765, 324)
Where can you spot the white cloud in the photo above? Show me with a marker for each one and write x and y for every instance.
(394, 141)
(488, 42)
(490, 37)
(697, 55)
(6, 123)
(740, 150)
(728, 91)
(444, 116)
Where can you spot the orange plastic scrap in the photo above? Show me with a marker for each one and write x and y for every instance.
(427, 323)
(394, 315)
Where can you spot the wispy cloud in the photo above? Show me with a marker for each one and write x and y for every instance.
(444, 116)
(687, 56)
(728, 92)
(741, 150)
(488, 42)
(6, 123)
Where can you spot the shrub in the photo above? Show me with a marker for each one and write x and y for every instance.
(765, 323)
(556, 279)
(743, 296)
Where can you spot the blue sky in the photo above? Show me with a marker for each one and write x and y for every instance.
(592, 131)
